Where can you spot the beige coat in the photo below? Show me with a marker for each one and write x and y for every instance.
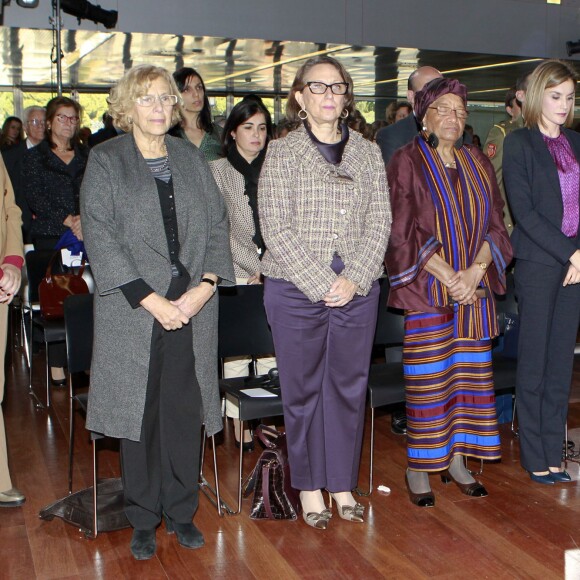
(311, 210)
(10, 245)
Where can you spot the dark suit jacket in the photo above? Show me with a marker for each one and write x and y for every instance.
(12, 159)
(533, 189)
(393, 137)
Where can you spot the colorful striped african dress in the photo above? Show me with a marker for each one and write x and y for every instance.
(447, 355)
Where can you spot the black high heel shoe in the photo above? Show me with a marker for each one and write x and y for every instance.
(188, 535)
(247, 446)
(474, 489)
(560, 476)
(426, 499)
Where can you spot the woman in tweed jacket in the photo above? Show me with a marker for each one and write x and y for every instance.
(325, 216)
(246, 134)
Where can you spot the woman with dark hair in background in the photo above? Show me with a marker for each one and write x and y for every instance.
(51, 175)
(12, 133)
(246, 134)
(196, 125)
(325, 218)
(541, 170)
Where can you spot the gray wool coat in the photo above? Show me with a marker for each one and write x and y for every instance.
(125, 239)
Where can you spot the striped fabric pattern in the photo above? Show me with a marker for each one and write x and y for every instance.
(463, 211)
(449, 391)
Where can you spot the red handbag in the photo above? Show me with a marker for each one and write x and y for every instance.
(54, 288)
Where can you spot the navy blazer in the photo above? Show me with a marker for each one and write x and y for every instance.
(533, 189)
(395, 136)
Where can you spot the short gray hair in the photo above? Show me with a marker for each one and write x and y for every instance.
(29, 110)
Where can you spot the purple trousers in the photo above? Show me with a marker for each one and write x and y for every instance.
(323, 357)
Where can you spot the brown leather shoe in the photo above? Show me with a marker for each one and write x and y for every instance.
(420, 499)
(474, 489)
(12, 498)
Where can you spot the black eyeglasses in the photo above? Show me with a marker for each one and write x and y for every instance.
(446, 112)
(318, 88)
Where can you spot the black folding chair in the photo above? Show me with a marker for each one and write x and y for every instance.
(244, 331)
(386, 385)
(52, 331)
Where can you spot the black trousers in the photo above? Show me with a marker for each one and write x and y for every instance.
(549, 317)
(161, 471)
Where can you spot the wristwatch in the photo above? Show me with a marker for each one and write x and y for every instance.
(211, 282)
(482, 265)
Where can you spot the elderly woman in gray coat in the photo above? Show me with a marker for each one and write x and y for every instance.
(155, 228)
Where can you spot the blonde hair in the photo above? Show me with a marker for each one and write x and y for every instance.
(134, 84)
(547, 75)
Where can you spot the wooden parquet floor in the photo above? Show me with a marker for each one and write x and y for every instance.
(522, 530)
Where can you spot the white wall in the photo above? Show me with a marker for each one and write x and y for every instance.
(528, 28)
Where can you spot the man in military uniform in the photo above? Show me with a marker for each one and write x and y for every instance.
(493, 147)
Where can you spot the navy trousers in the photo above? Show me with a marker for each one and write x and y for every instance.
(549, 316)
(323, 359)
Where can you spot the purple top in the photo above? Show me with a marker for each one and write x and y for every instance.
(569, 175)
(332, 152)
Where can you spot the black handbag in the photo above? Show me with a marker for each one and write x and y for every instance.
(274, 497)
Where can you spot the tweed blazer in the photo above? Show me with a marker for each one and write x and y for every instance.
(125, 240)
(242, 230)
(310, 210)
(533, 188)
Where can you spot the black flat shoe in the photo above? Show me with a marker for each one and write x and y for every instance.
(188, 535)
(399, 423)
(474, 489)
(545, 479)
(248, 446)
(560, 476)
(143, 544)
(420, 499)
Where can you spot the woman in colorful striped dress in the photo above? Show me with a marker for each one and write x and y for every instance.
(446, 257)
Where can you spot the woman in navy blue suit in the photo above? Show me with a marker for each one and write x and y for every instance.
(542, 179)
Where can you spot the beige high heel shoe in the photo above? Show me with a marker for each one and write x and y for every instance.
(318, 520)
(352, 513)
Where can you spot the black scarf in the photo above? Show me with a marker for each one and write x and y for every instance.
(332, 152)
(251, 172)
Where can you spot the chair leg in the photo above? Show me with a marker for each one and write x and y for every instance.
(47, 374)
(240, 475)
(24, 339)
(38, 404)
(515, 432)
(95, 513)
(213, 494)
(71, 435)
(358, 490)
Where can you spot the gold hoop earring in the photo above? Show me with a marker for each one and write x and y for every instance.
(305, 115)
(344, 114)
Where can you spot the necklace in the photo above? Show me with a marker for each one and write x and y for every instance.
(451, 164)
(161, 168)
(63, 149)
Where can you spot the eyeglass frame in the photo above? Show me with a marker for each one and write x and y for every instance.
(451, 110)
(309, 83)
(36, 122)
(74, 120)
(155, 99)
